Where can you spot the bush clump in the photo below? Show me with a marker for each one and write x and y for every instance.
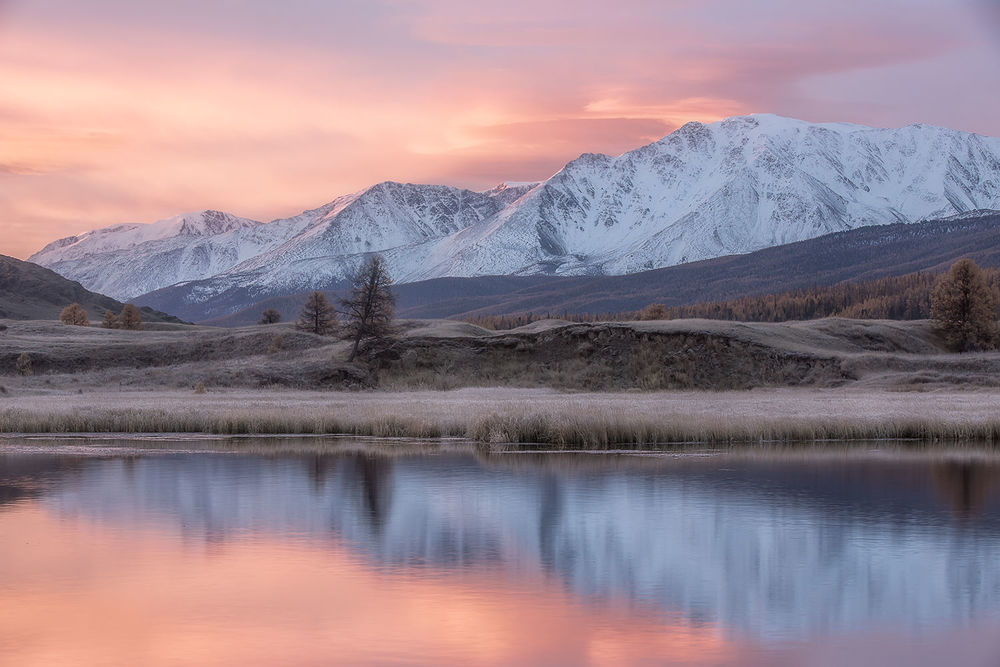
(23, 364)
(270, 316)
(74, 315)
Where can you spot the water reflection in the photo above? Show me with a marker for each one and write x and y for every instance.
(965, 486)
(728, 556)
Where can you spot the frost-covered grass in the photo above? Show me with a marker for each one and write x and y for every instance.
(441, 355)
(499, 416)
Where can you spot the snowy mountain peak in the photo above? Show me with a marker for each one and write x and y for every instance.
(508, 192)
(127, 260)
(116, 237)
(211, 223)
(510, 186)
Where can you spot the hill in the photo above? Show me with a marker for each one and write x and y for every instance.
(32, 292)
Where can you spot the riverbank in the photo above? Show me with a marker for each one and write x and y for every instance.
(499, 416)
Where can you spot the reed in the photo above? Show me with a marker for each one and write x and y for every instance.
(511, 417)
(600, 432)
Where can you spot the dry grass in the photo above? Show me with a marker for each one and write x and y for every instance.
(501, 416)
(442, 355)
(243, 373)
(602, 432)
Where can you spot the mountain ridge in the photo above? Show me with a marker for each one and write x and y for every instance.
(703, 191)
(146, 257)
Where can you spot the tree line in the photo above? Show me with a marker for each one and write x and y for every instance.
(908, 297)
(129, 317)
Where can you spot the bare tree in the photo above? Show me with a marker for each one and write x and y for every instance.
(75, 315)
(130, 318)
(965, 308)
(317, 316)
(270, 316)
(371, 304)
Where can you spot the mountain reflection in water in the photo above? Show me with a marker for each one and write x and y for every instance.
(714, 559)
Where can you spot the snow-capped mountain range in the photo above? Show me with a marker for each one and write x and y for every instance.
(703, 191)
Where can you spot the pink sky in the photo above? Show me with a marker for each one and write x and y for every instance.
(119, 111)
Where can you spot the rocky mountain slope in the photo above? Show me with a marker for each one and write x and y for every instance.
(731, 187)
(704, 191)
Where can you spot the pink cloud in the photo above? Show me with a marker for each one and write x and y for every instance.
(134, 111)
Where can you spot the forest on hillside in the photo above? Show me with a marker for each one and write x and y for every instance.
(906, 297)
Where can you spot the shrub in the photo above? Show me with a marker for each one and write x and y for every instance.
(199, 388)
(270, 316)
(74, 315)
(23, 364)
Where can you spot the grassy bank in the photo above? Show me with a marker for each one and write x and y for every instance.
(443, 355)
(496, 417)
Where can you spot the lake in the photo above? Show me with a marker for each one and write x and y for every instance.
(322, 551)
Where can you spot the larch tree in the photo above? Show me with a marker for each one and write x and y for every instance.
(964, 308)
(75, 315)
(655, 311)
(110, 320)
(317, 316)
(130, 318)
(370, 306)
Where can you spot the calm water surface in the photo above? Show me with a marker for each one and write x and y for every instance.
(167, 553)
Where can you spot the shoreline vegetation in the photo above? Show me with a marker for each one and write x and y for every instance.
(565, 385)
(499, 417)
